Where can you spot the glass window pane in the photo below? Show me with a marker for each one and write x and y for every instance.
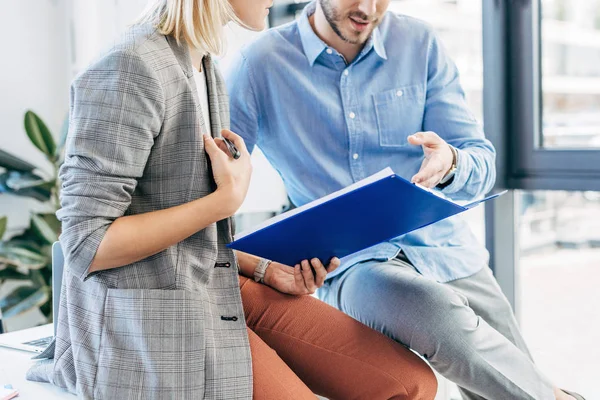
(558, 275)
(571, 73)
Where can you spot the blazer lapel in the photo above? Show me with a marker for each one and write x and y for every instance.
(218, 103)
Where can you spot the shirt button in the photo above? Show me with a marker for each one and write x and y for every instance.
(399, 93)
(329, 51)
(352, 115)
(346, 72)
(355, 156)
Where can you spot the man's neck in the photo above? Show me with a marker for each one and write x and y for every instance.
(325, 32)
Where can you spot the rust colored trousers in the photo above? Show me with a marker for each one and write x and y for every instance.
(301, 346)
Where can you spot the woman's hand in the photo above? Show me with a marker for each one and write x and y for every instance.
(299, 280)
(232, 176)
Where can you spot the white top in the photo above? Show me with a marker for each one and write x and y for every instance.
(200, 78)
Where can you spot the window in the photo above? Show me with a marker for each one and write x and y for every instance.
(545, 245)
(571, 74)
(553, 53)
(558, 275)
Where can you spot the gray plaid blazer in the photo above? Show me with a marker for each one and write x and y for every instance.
(170, 326)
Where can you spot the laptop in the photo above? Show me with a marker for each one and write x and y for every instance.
(37, 339)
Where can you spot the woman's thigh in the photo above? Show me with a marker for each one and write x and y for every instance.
(333, 354)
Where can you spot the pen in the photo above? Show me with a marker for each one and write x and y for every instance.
(235, 153)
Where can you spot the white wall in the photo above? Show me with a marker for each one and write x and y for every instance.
(267, 192)
(53, 41)
(96, 24)
(33, 75)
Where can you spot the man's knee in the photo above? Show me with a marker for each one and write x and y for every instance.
(443, 320)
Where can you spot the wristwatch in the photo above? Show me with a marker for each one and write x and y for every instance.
(261, 268)
(449, 178)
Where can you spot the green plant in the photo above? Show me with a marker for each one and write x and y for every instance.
(27, 256)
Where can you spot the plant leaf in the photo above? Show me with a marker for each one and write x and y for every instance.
(40, 192)
(39, 134)
(46, 309)
(54, 223)
(37, 278)
(23, 180)
(27, 240)
(3, 222)
(25, 298)
(43, 229)
(21, 257)
(11, 273)
(16, 296)
(11, 162)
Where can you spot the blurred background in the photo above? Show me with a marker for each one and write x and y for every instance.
(544, 117)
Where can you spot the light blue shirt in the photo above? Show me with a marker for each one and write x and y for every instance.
(324, 124)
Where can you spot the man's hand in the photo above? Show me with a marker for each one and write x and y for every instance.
(299, 280)
(438, 158)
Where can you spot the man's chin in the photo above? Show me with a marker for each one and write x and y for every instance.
(357, 38)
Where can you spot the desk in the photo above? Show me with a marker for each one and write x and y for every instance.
(13, 366)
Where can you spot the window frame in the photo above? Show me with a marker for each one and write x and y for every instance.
(533, 167)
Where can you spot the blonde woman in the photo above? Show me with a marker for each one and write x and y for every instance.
(155, 305)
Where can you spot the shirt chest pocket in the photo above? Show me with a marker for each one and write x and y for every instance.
(399, 114)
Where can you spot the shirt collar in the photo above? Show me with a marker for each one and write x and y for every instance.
(378, 43)
(314, 46)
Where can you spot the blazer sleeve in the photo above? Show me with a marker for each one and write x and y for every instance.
(116, 112)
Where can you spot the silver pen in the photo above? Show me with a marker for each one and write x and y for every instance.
(235, 153)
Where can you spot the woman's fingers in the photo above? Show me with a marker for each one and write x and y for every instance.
(298, 278)
(320, 272)
(221, 145)
(236, 139)
(211, 147)
(333, 264)
(309, 278)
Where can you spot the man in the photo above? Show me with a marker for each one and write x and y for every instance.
(344, 92)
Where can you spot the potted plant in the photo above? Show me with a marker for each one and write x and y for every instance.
(27, 256)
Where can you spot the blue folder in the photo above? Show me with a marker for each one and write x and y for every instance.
(379, 211)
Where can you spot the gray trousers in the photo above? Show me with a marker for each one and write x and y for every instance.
(465, 329)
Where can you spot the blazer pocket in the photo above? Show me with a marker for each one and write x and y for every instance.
(399, 114)
(152, 345)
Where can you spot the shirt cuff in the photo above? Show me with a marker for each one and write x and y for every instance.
(464, 166)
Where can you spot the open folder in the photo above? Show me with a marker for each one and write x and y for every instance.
(373, 210)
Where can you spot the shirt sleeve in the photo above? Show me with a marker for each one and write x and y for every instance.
(243, 104)
(448, 115)
(116, 112)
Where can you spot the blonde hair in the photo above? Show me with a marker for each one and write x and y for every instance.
(199, 23)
